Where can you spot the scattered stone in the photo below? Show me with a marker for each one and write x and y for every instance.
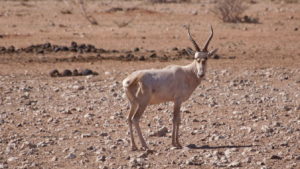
(234, 164)
(196, 120)
(103, 167)
(107, 73)
(287, 107)
(86, 135)
(227, 153)
(101, 158)
(3, 166)
(70, 156)
(247, 160)
(153, 55)
(276, 157)
(78, 87)
(41, 144)
(248, 129)
(143, 155)
(54, 158)
(160, 133)
(12, 159)
(266, 129)
(113, 147)
(195, 160)
(142, 58)
(136, 162)
(88, 115)
(75, 72)
(54, 73)
(260, 163)
(194, 12)
(237, 112)
(103, 134)
(67, 72)
(87, 72)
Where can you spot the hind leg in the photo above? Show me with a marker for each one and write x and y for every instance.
(133, 108)
(143, 96)
(136, 118)
(130, 92)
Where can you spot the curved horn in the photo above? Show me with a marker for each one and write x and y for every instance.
(209, 39)
(190, 37)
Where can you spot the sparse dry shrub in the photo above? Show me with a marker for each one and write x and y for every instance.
(229, 10)
(89, 17)
(82, 5)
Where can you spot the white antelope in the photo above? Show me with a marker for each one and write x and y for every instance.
(173, 83)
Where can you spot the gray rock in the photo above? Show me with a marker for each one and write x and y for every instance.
(135, 162)
(160, 133)
(3, 166)
(234, 164)
(88, 115)
(78, 87)
(54, 158)
(101, 158)
(227, 153)
(67, 72)
(103, 167)
(86, 135)
(70, 156)
(195, 160)
(276, 157)
(247, 160)
(12, 159)
(237, 112)
(41, 144)
(104, 134)
(266, 129)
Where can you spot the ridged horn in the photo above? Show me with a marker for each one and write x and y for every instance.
(209, 39)
(191, 38)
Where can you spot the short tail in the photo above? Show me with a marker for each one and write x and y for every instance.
(129, 81)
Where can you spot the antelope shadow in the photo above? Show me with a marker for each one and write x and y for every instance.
(193, 146)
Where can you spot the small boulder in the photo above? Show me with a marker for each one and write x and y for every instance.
(161, 132)
(54, 73)
(67, 72)
(75, 72)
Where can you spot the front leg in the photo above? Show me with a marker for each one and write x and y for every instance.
(176, 122)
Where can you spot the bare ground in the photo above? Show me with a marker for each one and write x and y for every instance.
(245, 114)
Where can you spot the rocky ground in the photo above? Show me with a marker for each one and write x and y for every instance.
(245, 114)
(248, 118)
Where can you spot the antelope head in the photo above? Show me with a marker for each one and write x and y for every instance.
(201, 56)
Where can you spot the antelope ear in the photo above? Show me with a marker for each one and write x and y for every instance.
(212, 53)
